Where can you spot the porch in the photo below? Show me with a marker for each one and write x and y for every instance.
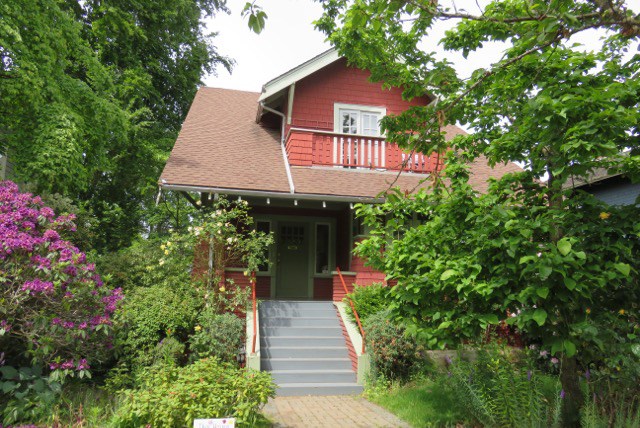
(312, 239)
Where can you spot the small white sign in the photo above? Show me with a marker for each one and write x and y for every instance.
(214, 423)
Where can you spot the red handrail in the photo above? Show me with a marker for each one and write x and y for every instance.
(346, 294)
(253, 299)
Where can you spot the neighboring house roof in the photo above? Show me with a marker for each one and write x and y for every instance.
(222, 148)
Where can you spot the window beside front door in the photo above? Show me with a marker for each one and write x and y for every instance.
(322, 249)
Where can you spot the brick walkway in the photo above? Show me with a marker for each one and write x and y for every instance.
(328, 411)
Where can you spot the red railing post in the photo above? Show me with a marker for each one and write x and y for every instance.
(355, 313)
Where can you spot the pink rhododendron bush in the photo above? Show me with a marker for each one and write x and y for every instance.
(55, 310)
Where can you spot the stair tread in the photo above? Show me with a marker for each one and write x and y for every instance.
(298, 371)
(319, 384)
(301, 337)
(302, 326)
(307, 359)
(304, 347)
(301, 317)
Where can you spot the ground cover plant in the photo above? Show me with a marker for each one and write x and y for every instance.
(432, 403)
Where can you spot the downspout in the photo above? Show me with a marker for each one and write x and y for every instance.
(287, 168)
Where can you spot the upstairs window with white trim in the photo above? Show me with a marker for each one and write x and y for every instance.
(357, 119)
(367, 148)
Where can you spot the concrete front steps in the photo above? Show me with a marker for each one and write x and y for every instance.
(302, 345)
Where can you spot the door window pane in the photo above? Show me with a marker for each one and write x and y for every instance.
(322, 248)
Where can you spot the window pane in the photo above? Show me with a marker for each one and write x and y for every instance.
(349, 120)
(322, 248)
(265, 227)
(370, 124)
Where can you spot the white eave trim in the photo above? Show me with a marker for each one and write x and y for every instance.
(274, 195)
(303, 70)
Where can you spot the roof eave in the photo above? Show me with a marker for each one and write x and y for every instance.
(270, 194)
(285, 80)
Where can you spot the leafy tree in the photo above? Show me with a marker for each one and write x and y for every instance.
(529, 246)
(94, 94)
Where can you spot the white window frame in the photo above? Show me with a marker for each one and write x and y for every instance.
(337, 122)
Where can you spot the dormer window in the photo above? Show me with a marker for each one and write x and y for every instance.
(357, 119)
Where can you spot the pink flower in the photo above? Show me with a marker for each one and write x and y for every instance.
(554, 360)
(51, 235)
(38, 286)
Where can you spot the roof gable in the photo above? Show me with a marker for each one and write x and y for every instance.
(274, 86)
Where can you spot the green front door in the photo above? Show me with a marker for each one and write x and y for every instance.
(292, 279)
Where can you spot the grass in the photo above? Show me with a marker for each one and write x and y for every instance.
(422, 403)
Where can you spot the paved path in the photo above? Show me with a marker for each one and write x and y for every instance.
(328, 411)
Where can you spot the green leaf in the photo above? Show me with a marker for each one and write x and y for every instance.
(564, 246)
(447, 274)
(623, 268)
(570, 283)
(545, 271)
(635, 348)
(8, 387)
(444, 325)
(539, 316)
(9, 372)
(581, 255)
(570, 348)
(543, 292)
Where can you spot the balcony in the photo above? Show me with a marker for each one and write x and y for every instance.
(313, 147)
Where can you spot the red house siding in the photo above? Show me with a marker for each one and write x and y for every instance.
(322, 288)
(338, 290)
(315, 95)
(352, 352)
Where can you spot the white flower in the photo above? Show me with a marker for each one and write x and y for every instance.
(229, 240)
(218, 212)
(161, 262)
(219, 224)
(190, 229)
(198, 202)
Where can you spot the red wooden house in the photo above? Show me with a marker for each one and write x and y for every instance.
(301, 153)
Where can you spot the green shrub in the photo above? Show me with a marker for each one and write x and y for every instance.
(150, 314)
(393, 354)
(169, 351)
(217, 335)
(170, 396)
(26, 394)
(498, 391)
(368, 300)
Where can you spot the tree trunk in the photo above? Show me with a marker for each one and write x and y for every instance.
(572, 395)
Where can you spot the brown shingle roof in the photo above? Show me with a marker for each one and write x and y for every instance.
(221, 146)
